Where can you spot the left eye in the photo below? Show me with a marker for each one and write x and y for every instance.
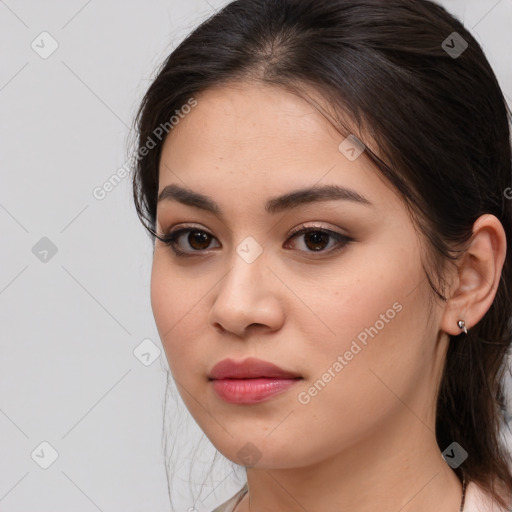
(316, 240)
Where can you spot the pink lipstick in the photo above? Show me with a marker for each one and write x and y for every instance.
(250, 381)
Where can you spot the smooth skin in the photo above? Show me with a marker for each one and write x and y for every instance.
(366, 441)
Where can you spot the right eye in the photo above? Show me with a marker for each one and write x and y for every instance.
(197, 240)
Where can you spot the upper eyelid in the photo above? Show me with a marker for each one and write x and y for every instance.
(302, 227)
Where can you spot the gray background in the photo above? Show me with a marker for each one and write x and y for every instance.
(70, 321)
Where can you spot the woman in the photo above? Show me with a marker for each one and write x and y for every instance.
(327, 186)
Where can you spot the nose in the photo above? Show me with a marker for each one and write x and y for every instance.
(249, 297)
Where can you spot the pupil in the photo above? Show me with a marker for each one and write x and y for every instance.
(317, 237)
(198, 240)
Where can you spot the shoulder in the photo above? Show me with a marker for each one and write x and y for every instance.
(229, 505)
(477, 500)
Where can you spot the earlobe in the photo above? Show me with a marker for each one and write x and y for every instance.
(478, 276)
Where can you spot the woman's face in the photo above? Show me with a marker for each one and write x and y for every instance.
(345, 308)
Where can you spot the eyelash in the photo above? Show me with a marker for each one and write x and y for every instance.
(171, 238)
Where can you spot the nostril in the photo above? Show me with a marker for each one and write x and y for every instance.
(256, 324)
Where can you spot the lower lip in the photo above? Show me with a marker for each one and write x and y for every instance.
(250, 391)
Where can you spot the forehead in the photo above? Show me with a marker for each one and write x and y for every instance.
(249, 113)
(255, 138)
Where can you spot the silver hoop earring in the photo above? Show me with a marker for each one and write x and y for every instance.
(462, 326)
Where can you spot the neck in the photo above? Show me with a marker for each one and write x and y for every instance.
(388, 472)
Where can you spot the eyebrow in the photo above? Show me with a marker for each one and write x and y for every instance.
(274, 205)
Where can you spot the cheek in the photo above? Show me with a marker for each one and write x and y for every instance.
(176, 304)
(365, 299)
(353, 383)
(371, 320)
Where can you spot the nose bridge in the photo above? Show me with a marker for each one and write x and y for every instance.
(248, 269)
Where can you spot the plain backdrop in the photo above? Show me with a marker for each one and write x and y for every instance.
(82, 371)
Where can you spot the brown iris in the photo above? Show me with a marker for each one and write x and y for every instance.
(199, 240)
(318, 240)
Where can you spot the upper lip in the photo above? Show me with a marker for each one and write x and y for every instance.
(249, 368)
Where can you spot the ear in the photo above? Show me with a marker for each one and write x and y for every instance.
(479, 271)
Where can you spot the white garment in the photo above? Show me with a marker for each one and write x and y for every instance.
(476, 501)
(230, 505)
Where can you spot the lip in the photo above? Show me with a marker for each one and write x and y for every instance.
(250, 381)
(250, 391)
(250, 368)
